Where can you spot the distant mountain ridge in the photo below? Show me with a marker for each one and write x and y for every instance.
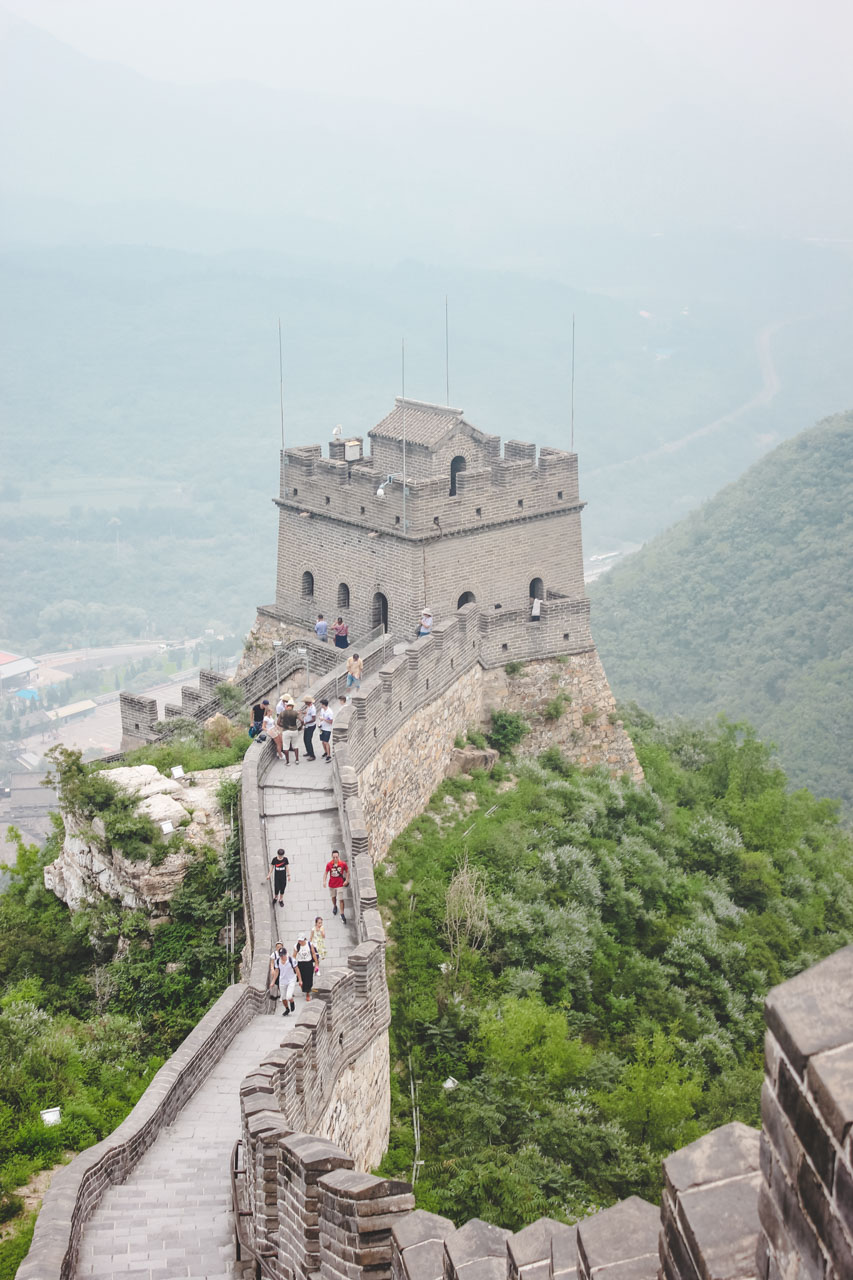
(746, 608)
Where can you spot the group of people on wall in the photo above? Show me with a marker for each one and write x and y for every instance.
(286, 727)
(302, 965)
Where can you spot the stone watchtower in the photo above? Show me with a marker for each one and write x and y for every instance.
(471, 524)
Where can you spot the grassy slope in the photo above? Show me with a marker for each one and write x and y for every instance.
(746, 606)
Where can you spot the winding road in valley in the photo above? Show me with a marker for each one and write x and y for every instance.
(769, 389)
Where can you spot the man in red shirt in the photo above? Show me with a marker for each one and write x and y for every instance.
(337, 878)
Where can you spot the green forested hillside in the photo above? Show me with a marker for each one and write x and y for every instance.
(746, 607)
(578, 966)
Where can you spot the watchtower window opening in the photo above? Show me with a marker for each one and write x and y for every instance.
(467, 597)
(458, 464)
(307, 583)
(537, 589)
(343, 596)
(380, 611)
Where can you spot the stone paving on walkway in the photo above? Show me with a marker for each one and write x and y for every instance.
(172, 1217)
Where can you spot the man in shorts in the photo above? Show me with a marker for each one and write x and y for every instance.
(289, 722)
(327, 719)
(337, 879)
(355, 667)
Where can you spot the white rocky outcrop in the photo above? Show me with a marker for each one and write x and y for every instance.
(87, 868)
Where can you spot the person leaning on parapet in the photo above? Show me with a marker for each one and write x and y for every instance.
(327, 719)
(259, 710)
(425, 625)
(355, 669)
(309, 724)
(271, 729)
(289, 722)
(337, 878)
(280, 865)
(321, 627)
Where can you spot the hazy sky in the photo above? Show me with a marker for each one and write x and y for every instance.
(536, 61)
(532, 116)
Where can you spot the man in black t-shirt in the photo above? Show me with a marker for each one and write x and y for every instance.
(280, 866)
(259, 710)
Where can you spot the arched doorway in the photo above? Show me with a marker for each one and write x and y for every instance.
(307, 583)
(537, 589)
(343, 596)
(458, 464)
(467, 597)
(380, 611)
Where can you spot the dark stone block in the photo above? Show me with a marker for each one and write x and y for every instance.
(806, 1123)
(727, 1152)
(830, 1077)
(629, 1229)
(789, 1230)
(721, 1226)
(814, 1011)
(779, 1131)
(424, 1261)
(844, 1195)
(532, 1243)
(673, 1248)
(564, 1253)
(415, 1228)
(827, 1225)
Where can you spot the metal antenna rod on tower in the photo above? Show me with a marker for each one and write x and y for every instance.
(281, 409)
(446, 352)
(403, 407)
(573, 383)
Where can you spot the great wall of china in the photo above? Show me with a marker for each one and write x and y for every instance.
(309, 1100)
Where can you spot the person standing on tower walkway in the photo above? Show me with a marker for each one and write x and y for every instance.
(425, 626)
(337, 878)
(289, 722)
(321, 627)
(341, 633)
(327, 719)
(309, 724)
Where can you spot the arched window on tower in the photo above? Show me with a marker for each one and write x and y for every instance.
(307, 583)
(537, 589)
(467, 597)
(458, 464)
(343, 595)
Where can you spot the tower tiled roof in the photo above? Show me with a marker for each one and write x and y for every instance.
(426, 424)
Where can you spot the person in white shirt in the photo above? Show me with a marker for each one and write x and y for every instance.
(425, 627)
(327, 717)
(286, 974)
(309, 724)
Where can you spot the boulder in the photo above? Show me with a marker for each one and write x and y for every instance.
(466, 759)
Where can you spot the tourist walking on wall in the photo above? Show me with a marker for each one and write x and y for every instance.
(306, 961)
(425, 627)
(318, 938)
(288, 976)
(321, 627)
(289, 722)
(341, 633)
(337, 878)
(309, 724)
(355, 669)
(280, 868)
(327, 719)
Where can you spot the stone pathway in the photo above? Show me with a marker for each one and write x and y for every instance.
(172, 1217)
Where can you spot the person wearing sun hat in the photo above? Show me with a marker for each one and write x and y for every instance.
(425, 627)
(289, 722)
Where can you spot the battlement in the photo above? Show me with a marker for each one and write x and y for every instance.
(508, 489)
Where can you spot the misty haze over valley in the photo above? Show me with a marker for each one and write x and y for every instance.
(177, 177)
